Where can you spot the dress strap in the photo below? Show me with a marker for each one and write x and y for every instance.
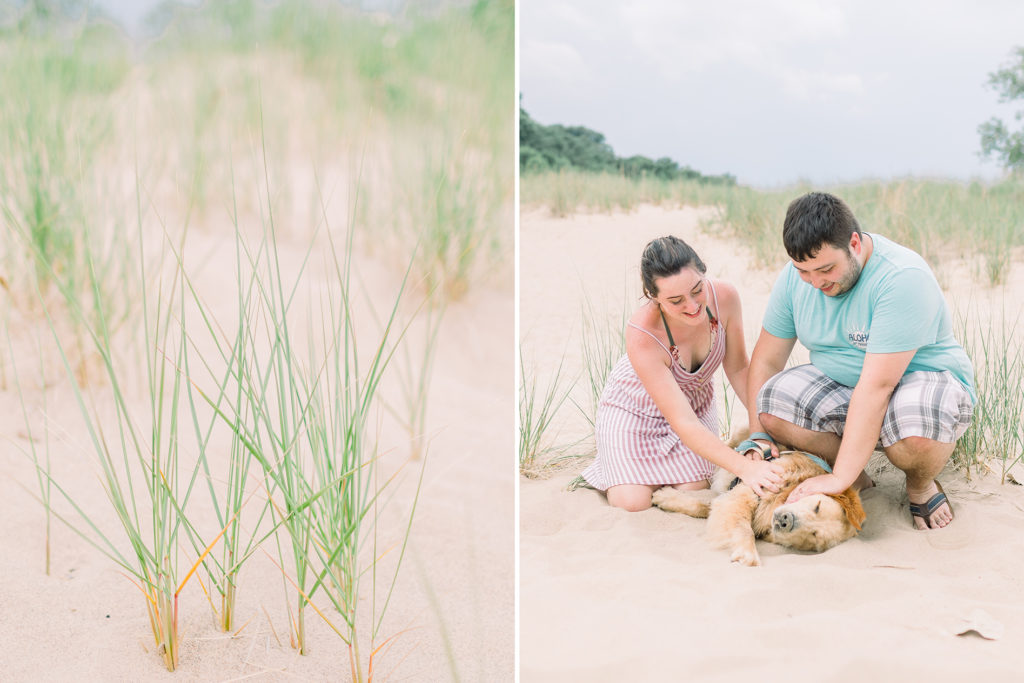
(714, 295)
(671, 341)
(654, 337)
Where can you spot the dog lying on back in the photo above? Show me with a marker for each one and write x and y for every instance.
(737, 517)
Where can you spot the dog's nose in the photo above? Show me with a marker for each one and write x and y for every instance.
(784, 520)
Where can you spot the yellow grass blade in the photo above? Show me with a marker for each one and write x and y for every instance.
(212, 544)
(305, 597)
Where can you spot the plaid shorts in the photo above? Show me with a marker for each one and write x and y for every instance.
(933, 405)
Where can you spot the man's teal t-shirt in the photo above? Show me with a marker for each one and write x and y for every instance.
(895, 305)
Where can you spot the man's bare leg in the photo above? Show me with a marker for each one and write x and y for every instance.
(921, 460)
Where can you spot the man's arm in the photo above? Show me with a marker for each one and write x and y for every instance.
(767, 360)
(878, 379)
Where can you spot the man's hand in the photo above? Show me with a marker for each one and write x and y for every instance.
(823, 483)
(758, 449)
(771, 444)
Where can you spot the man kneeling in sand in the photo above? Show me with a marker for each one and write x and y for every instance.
(884, 367)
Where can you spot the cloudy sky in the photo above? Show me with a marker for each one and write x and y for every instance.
(774, 91)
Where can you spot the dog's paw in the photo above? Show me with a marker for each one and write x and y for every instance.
(663, 497)
(748, 557)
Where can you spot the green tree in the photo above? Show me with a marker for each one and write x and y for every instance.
(636, 166)
(997, 140)
(543, 148)
(532, 161)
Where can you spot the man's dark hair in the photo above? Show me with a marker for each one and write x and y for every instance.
(666, 256)
(814, 220)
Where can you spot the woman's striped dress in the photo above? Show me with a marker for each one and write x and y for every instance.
(635, 444)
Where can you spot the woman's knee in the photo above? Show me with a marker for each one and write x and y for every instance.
(630, 497)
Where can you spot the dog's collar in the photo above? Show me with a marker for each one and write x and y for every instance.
(821, 463)
(817, 461)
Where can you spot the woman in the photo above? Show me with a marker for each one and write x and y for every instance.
(657, 422)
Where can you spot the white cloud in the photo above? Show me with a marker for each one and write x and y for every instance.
(557, 63)
(683, 37)
(575, 20)
(805, 84)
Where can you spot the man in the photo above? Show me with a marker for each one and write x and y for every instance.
(884, 367)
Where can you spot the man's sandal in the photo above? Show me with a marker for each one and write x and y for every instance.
(926, 510)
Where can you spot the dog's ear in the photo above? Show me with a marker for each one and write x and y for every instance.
(849, 500)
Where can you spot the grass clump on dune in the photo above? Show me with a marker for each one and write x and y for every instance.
(537, 409)
(996, 433)
(55, 121)
(429, 91)
(941, 220)
(298, 399)
(140, 465)
(566, 192)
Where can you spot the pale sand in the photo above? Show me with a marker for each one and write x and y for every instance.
(607, 595)
(452, 609)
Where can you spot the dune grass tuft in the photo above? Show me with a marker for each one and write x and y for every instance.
(537, 410)
(996, 433)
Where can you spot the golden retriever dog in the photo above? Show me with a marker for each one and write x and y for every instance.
(737, 516)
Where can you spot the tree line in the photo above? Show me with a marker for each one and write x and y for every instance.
(556, 147)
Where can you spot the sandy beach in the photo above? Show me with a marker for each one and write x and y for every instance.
(607, 595)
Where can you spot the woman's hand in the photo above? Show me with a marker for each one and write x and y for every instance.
(823, 483)
(762, 476)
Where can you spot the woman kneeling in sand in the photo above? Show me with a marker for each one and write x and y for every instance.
(657, 422)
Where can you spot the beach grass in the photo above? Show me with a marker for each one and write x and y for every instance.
(303, 395)
(995, 436)
(538, 407)
(229, 491)
(98, 134)
(942, 220)
(567, 192)
(603, 343)
(56, 120)
(428, 91)
(414, 366)
(142, 474)
(40, 455)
